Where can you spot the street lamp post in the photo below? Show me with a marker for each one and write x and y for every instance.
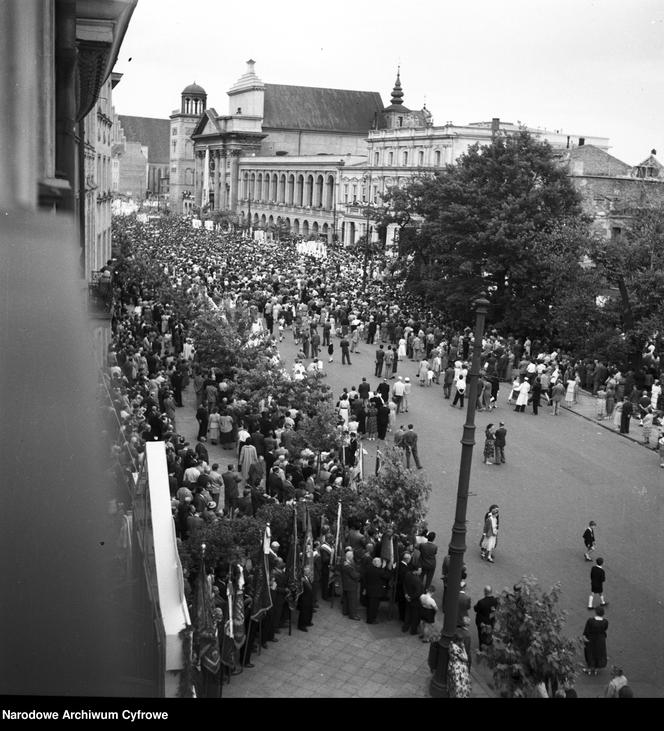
(439, 652)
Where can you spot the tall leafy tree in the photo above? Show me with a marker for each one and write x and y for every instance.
(634, 264)
(529, 647)
(478, 226)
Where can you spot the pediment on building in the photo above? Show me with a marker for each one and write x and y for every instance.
(207, 124)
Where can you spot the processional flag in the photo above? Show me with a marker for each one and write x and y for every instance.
(335, 565)
(308, 542)
(206, 639)
(294, 568)
(262, 600)
(238, 609)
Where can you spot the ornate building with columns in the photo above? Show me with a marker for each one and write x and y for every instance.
(311, 161)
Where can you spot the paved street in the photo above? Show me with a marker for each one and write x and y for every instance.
(561, 472)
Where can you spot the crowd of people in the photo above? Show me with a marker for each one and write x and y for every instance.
(317, 296)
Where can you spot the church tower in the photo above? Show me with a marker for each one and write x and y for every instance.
(193, 102)
(398, 115)
(246, 98)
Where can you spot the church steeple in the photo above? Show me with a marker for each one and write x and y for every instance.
(397, 93)
(396, 102)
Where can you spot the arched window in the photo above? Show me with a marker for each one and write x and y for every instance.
(436, 158)
(376, 158)
(405, 157)
(420, 158)
(390, 158)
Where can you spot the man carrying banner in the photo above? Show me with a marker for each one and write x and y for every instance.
(206, 640)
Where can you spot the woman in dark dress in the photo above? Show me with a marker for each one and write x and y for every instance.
(361, 416)
(625, 417)
(489, 443)
(594, 635)
(383, 419)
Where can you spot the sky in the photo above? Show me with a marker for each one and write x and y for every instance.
(584, 67)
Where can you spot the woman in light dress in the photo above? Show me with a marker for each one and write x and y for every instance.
(570, 394)
(422, 372)
(617, 413)
(401, 352)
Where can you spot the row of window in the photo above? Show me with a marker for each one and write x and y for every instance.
(291, 190)
(406, 158)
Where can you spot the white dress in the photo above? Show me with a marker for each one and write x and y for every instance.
(571, 386)
(524, 389)
(401, 351)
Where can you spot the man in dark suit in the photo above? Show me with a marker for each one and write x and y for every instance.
(464, 604)
(231, 479)
(428, 553)
(383, 390)
(306, 602)
(413, 589)
(499, 444)
(350, 582)
(380, 356)
(485, 618)
(409, 443)
(402, 570)
(345, 350)
(364, 389)
(202, 417)
(258, 440)
(375, 579)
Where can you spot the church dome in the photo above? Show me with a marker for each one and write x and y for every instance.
(194, 89)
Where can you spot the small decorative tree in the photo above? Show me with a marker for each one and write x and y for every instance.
(396, 494)
(319, 431)
(528, 646)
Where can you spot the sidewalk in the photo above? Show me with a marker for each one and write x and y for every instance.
(586, 407)
(339, 658)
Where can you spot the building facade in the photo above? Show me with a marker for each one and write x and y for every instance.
(611, 189)
(141, 157)
(313, 161)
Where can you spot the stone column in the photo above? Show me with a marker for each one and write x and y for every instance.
(235, 182)
(217, 180)
(198, 177)
(223, 200)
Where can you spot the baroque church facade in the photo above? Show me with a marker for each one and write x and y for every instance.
(311, 161)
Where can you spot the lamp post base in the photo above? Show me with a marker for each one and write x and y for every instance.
(437, 689)
(438, 657)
